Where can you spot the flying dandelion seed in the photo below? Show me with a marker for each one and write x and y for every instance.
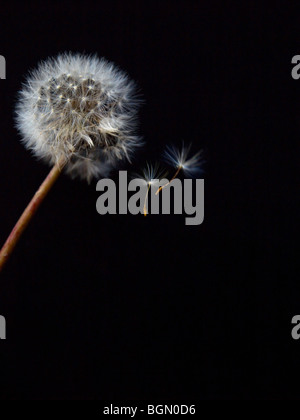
(149, 174)
(75, 112)
(179, 159)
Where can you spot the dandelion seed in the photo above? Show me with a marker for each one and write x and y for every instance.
(179, 159)
(149, 174)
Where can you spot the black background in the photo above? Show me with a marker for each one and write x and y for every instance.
(132, 308)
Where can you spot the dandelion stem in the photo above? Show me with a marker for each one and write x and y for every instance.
(174, 176)
(29, 212)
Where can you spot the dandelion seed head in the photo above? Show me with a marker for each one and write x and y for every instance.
(81, 109)
(181, 159)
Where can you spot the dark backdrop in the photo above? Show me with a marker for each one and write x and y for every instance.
(134, 308)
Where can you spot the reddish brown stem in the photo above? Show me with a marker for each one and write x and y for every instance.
(28, 213)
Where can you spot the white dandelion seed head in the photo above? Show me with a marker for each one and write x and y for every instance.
(80, 109)
(180, 158)
(150, 173)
